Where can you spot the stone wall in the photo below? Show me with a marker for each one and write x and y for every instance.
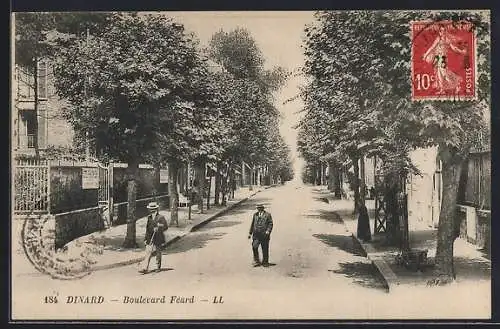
(420, 189)
(120, 209)
(74, 224)
(483, 231)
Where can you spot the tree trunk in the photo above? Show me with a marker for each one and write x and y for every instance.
(173, 193)
(331, 178)
(217, 183)
(355, 184)
(233, 184)
(200, 176)
(318, 174)
(230, 174)
(209, 187)
(243, 173)
(341, 179)
(132, 171)
(362, 186)
(452, 164)
(337, 184)
(182, 178)
(230, 182)
(323, 174)
(224, 184)
(250, 186)
(156, 183)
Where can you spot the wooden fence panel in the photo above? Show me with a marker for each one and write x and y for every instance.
(478, 182)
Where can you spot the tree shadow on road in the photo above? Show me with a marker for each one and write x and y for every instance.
(249, 205)
(218, 223)
(472, 269)
(321, 191)
(321, 199)
(342, 242)
(165, 269)
(345, 214)
(466, 269)
(485, 252)
(114, 243)
(330, 216)
(364, 274)
(194, 240)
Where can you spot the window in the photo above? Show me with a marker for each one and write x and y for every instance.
(25, 79)
(24, 84)
(29, 129)
(30, 123)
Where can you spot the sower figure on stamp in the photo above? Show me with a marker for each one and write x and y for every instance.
(260, 231)
(154, 237)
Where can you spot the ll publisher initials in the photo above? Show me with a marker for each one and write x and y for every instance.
(218, 300)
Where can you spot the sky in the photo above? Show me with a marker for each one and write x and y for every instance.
(279, 37)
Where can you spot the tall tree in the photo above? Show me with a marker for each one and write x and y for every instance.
(360, 64)
(137, 90)
(248, 106)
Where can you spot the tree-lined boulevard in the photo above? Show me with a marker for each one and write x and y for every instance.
(359, 103)
(317, 272)
(140, 89)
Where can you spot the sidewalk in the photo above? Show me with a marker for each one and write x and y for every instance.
(106, 246)
(470, 263)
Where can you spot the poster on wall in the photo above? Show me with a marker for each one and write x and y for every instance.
(163, 176)
(90, 178)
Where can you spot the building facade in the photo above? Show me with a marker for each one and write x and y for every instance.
(474, 195)
(47, 126)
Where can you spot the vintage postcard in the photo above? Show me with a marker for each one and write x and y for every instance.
(253, 165)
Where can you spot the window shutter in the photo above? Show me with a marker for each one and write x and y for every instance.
(42, 126)
(42, 79)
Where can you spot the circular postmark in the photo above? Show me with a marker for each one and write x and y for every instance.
(38, 243)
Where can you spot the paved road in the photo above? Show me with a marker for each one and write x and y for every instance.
(318, 273)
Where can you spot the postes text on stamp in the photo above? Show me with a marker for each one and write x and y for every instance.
(443, 62)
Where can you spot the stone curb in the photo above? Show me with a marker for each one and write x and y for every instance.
(177, 237)
(390, 278)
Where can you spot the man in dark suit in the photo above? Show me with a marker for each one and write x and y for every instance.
(260, 230)
(155, 235)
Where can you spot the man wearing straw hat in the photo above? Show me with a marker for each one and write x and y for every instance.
(154, 237)
(260, 230)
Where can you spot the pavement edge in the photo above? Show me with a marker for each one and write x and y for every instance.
(383, 268)
(388, 275)
(178, 237)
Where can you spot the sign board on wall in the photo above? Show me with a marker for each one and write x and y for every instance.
(163, 176)
(90, 178)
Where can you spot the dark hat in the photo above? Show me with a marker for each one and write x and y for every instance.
(260, 206)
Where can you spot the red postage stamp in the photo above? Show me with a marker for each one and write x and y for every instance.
(443, 62)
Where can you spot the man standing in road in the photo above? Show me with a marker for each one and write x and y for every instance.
(260, 230)
(155, 236)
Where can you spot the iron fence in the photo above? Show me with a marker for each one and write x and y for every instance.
(31, 186)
